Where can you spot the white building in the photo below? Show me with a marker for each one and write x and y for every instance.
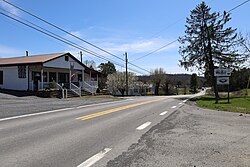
(36, 72)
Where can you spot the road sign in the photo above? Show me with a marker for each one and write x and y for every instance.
(222, 72)
(222, 80)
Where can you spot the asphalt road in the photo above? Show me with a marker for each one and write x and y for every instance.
(81, 136)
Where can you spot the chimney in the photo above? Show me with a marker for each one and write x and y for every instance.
(27, 53)
(81, 55)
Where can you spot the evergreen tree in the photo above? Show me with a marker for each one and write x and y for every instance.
(209, 43)
(107, 68)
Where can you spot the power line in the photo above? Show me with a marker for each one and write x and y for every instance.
(57, 27)
(164, 46)
(48, 31)
(177, 39)
(66, 41)
(82, 48)
(172, 24)
(238, 6)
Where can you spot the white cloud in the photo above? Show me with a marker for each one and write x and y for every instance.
(9, 8)
(6, 51)
(137, 46)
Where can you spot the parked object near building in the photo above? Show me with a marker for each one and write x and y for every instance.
(48, 71)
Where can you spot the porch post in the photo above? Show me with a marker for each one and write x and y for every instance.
(28, 77)
(82, 75)
(57, 77)
(90, 76)
(48, 77)
(70, 78)
(42, 78)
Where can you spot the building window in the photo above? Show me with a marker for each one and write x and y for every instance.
(63, 78)
(21, 71)
(1, 77)
(66, 58)
(52, 76)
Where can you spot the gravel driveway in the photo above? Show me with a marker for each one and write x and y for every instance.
(11, 105)
(192, 137)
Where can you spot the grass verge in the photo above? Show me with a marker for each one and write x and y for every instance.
(101, 96)
(237, 104)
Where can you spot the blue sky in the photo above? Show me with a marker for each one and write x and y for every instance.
(134, 26)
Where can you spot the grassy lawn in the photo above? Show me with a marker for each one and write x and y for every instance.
(237, 104)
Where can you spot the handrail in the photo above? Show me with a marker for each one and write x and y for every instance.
(58, 86)
(92, 83)
(74, 88)
(86, 86)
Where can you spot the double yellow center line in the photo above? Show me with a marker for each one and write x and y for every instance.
(86, 117)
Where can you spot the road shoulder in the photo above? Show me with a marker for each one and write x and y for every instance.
(192, 136)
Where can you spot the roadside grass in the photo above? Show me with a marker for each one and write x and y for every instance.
(237, 104)
(101, 96)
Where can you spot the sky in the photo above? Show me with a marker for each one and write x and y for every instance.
(137, 27)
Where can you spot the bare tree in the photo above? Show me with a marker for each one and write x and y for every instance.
(157, 77)
(117, 82)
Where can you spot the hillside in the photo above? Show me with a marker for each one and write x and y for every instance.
(174, 78)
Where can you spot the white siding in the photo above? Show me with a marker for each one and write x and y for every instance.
(11, 80)
(61, 63)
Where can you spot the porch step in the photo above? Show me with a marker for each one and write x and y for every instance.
(71, 94)
(86, 93)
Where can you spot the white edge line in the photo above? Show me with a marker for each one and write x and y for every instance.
(53, 111)
(143, 126)
(29, 115)
(92, 160)
(164, 113)
(180, 103)
(173, 107)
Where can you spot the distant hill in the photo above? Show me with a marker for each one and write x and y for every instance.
(174, 78)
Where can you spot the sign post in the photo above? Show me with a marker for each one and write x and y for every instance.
(223, 75)
(248, 82)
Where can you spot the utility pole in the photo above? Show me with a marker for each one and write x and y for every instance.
(126, 61)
